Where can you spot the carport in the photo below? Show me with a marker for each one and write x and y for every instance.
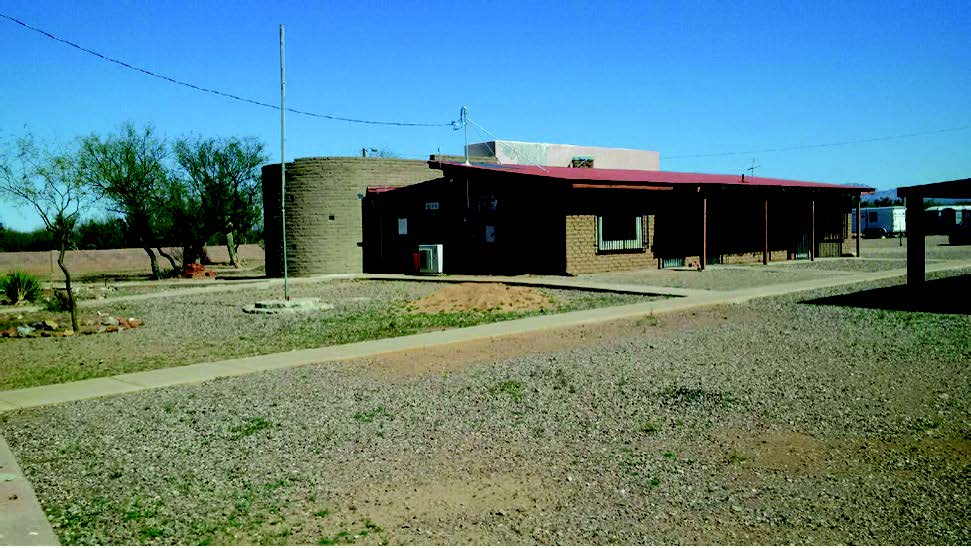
(914, 196)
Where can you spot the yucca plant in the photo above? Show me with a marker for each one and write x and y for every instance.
(20, 286)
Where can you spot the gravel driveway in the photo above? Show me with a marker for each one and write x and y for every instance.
(772, 422)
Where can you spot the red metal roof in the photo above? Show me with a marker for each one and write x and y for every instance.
(638, 177)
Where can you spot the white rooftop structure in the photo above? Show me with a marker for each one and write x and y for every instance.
(548, 154)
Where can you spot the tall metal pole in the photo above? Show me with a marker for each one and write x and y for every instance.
(465, 126)
(283, 163)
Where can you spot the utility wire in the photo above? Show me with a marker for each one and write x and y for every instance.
(821, 145)
(169, 79)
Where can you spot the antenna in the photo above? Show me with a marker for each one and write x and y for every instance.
(751, 169)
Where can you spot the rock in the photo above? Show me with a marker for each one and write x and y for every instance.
(25, 330)
(109, 321)
(48, 325)
(67, 332)
(135, 322)
(10, 332)
(123, 323)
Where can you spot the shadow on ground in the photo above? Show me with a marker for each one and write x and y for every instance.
(949, 295)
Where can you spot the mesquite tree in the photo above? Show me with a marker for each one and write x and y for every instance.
(128, 170)
(224, 178)
(52, 185)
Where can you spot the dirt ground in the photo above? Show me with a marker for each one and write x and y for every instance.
(469, 297)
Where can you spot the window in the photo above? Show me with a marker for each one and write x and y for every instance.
(619, 233)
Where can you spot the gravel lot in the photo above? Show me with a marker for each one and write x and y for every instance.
(773, 422)
(193, 328)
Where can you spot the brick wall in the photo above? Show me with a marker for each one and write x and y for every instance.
(583, 257)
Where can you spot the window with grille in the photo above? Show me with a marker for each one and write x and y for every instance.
(619, 233)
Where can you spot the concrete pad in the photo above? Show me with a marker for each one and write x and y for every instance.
(22, 520)
(199, 372)
(38, 396)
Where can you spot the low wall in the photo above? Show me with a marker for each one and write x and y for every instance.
(41, 263)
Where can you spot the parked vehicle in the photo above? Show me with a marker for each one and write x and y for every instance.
(881, 222)
(875, 232)
(960, 234)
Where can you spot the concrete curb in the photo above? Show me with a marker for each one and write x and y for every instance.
(22, 521)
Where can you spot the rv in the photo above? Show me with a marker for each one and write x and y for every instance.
(942, 219)
(880, 222)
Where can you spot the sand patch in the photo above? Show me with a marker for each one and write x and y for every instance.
(468, 297)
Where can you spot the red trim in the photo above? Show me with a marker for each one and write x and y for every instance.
(639, 177)
(622, 187)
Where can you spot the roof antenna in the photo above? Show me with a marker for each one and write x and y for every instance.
(751, 169)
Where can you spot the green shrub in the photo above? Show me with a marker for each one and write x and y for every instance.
(20, 286)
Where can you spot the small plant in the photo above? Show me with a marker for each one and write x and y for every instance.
(252, 426)
(669, 455)
(20, 287)
(734, 457)
(150, 533)
(649, 428)
(322, 513)
(512, 388)
(369, 416)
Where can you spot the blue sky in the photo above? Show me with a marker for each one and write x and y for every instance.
(685, 78)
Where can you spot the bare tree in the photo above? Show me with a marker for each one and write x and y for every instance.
(128, 169)
(51, 184)
(224, 176)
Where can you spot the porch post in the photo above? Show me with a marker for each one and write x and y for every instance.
(859, 227)
(915, 241)
(812, 230)
(704, 232)
(765, 250)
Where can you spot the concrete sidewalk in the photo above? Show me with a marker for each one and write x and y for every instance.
(22, 521)
(134, 382)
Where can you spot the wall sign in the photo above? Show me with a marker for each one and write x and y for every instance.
(431, 206)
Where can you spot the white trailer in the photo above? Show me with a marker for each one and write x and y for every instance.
(882, 221)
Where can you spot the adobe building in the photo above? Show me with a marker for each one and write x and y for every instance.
(543, 209)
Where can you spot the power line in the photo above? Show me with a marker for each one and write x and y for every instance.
(214, 91)
(821, 145)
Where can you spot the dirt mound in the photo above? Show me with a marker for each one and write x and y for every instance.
(466, 297)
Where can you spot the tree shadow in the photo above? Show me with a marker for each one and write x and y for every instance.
(948, 295)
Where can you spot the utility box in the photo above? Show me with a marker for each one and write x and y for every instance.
(430, 259)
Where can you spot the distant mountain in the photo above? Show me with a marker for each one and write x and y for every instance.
(890, 194)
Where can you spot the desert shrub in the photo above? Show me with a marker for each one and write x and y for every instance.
(20, 286)
(58, 303)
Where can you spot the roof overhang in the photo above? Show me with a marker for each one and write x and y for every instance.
(960, 188)
(645, 180)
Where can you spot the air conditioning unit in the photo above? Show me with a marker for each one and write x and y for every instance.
(430, 259)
